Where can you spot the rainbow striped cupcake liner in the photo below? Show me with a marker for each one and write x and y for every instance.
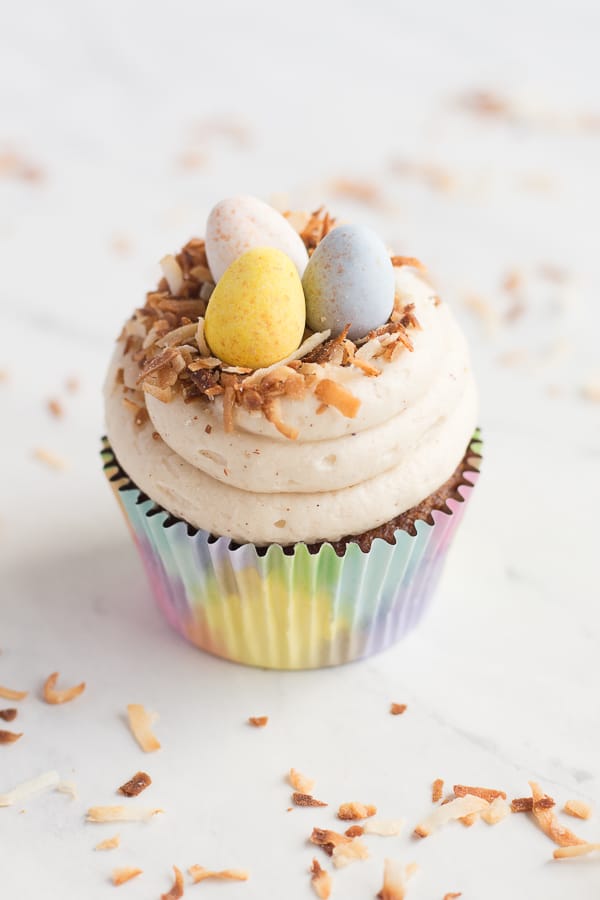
(298, 610)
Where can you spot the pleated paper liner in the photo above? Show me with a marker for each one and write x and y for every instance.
(298, 610)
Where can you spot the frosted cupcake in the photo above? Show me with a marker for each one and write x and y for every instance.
(291, 434)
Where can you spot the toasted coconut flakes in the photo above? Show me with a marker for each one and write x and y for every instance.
(489, 794)
(9, 737)
(344, 854)
(271, 411)
(8, 694)
(306, 800)
(412, 261)
(50, 459)
(45, 782)
(497, 810)
(68, 787)
(455, 809)
(52, 696)
(120, 876)
(177, 889)
(8, 715)
(258, 721)
(200, 339)
(578, 809)
(356, 189)
(437, 790)
(182, 335)
(172, 272)
(525, 804)
(548, 822)
(55, 408)
(320, 880)
(300, 782)
(109, 843)
(327, 839)
(356, 810)
(199, 873)
(354, 831)
(397, 709)
(333, 394)
(140, 722)
(383, 827)
(310, 344)
(135, 785)
(395, 878)
(577, 850)
(469, 820)
(120, 814)
(453, 896)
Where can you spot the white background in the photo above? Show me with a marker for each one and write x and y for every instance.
(501, 681)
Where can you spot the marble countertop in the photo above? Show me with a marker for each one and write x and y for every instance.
(122, 124)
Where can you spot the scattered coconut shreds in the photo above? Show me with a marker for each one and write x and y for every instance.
(453, 896)
(333, 394)
(258, 721)
(135, 785)
(72, 384)
(489, 794)
(8, 715)
(8, 694)
(344, 854)
(356, 810)
(177, 889)
(52, 696)
(356, 189)
(320, 880)
(172, 272)
(546, 819)
(109, 843)
(45, 782)
(68, 787)
(55, 408)
(577, 850)
(383, 827)
(525, 804)
(455, 809)
(395, 878)
(328, 840)
(199, 873)
(397, 709)
(306, 800)
(9, 737)
(469, 820)
(120, 814)
(578, 809)
(437, 790)
(412, 261)
(497, 810)
(140, 722)
(310, 344)
(354, 831)
(120, 876)
(300, 782)
(50, 459)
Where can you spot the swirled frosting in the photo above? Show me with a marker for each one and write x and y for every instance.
(340, 475)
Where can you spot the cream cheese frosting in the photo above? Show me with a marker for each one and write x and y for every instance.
(340, 475)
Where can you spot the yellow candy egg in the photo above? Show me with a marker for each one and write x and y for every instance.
(256, 314)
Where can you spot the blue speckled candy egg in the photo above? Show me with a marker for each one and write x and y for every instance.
(349, 278)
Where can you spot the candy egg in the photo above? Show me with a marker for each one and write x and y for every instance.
(256, 314)
(241, 223)
(349, 279)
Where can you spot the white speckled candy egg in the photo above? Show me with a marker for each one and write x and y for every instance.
(349, 279)
(242, 223)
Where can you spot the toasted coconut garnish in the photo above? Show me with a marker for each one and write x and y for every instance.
(455, 809)
(68, 787)
(356, 189)
(50, 459)
(354, 831)
(306, 800)
(52, 696)
(300, 782)
(577, 850)
(8, 715)
(258, 721)
(9, 737)
(327, 839)
(453, 896)
(120, 814)
(172, 272)
(356, 810)
(135, 785)
(8, 694)
(412, 261)
(395, 879)
(55, 408)
(120, 876)
(140, 722)
(397, 709)
(320, 880)
(548, 822)
(199, 873)
(46, 782)
(383, 827)
(489, 794)
(469, 820)
(344, 854)
(318, 226)
(333, 394)
(525, 804)
(578, 809)
(177, 889)
(437, 790)
(271, 411)
(497, 810)
(109, 843)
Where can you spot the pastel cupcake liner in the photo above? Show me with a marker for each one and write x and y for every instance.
(288, 610)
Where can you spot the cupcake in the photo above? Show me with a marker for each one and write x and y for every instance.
(291, 434)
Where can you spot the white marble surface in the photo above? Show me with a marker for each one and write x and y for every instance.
(501, 681)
